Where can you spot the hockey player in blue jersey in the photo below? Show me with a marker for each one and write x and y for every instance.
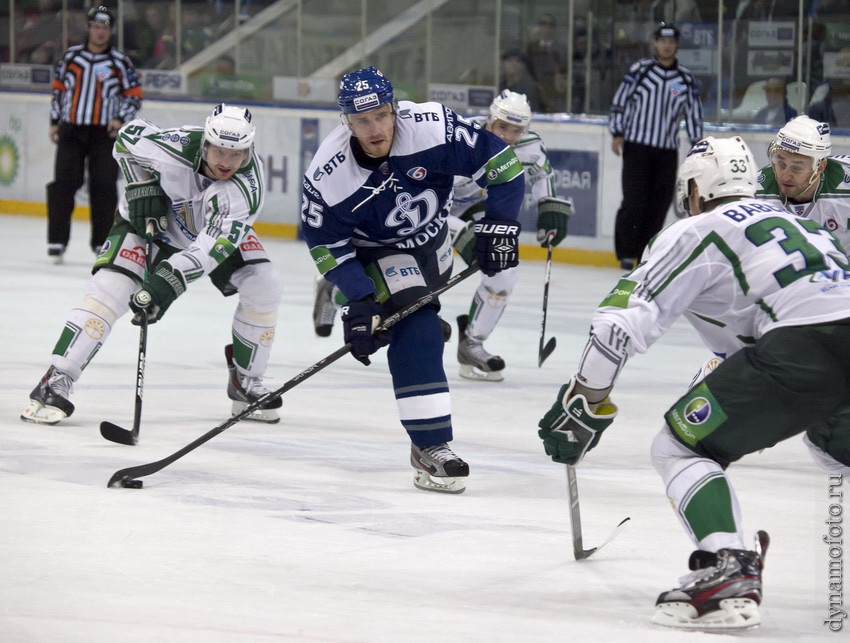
(375, 201)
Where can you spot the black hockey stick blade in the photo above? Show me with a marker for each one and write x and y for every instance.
(545, 351)
(128, 477)
(115, 433)
(579, 552)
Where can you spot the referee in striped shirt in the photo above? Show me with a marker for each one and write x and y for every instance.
(95, 90)
(655, 95)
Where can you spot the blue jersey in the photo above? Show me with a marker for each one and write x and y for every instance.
(404, 202)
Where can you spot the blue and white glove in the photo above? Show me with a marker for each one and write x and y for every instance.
(360, 319)
(165, 284)
(496, 244)
(572, 427)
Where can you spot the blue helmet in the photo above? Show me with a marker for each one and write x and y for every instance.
(364, 90)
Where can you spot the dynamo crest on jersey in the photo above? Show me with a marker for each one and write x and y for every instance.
(698, 411)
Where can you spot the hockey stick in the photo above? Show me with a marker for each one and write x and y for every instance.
(546, 350)
(127, 477)
(579, 551)
(113, 432)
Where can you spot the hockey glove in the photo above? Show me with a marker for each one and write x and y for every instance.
(464, 243)
(165, 284)
(146, 201)
(572, 427)
(552, 218)
(496, 244)
(360, 319)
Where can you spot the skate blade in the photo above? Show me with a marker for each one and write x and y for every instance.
(472, 373)
(734, 615)
(422, 480)
(268, 416)
(37, 413)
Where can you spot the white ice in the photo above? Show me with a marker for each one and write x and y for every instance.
(311, 530)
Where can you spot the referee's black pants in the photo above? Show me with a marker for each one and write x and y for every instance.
(76, 144)
(648, 183)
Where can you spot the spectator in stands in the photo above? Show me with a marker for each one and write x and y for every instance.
(516, 77)
(777, 111)
(546, 56)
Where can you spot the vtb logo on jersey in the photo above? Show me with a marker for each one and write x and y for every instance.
(414, 210)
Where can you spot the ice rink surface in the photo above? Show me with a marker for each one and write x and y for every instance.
(311, 530)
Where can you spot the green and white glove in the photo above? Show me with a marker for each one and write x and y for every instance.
(165, 284)
(147, 202)
(572, 427)
(552, 218)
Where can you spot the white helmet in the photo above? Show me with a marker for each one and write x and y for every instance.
(721, 167)
(229, 127)
(803, 135)
(512, 108)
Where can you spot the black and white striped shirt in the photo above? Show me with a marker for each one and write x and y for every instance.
(93, 89)
(650, 103)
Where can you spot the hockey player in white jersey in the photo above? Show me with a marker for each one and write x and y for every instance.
(768, 291)
(375, 201)
(509, 119)
(805, 180)
(200, 190)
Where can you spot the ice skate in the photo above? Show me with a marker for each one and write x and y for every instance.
(438, 468)
(324, 309)
(49, 401)
(244, 390)
(722, 594)
(475, 362)
(56, 251)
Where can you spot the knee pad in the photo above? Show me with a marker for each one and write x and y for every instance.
(108, 294)
(502, 283)
(259, 289)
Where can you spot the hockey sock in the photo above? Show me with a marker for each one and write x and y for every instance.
(84, 333)
(253, 336)
(489, 303)
(702, 497)
(415, 357)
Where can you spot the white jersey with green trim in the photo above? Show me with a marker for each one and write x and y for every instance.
(209, 219)
(830, 204)
(736, 272)
(535, 163)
